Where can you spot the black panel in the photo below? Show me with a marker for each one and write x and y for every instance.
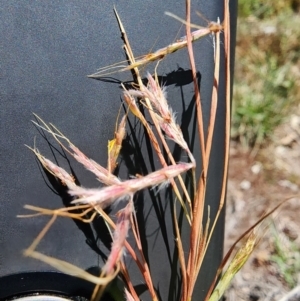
(48, 49)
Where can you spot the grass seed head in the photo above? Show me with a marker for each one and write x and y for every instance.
(119, 237)
(122, 191)
(57, 171)
(103, 175)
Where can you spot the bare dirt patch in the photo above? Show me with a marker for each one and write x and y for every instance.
(257, 182)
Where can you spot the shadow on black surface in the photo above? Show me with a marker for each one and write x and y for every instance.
(179, 78)
(137, 164)
(135, 161)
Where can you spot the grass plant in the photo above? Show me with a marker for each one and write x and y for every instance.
(93, 201)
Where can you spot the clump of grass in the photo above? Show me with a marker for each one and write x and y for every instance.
(286, 255)
(267, 72)
(93, 201)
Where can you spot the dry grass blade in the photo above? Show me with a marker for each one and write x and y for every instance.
(163, 52)
(64, 212)
(115, 145)
(234, 266)
(71, 269)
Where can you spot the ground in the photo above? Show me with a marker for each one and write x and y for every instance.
(258, 180)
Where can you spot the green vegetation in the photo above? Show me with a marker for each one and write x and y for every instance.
(267, 8)
(267, 69)
(287, 257)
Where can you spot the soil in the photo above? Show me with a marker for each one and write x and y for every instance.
(258, 181)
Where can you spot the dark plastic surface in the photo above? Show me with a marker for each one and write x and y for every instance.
(49, 48)
(26, 284)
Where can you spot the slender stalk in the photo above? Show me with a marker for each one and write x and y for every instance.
(37, 240)
(163, 52)
(228, 114)
(212, 120)
(180, 255)
(126, 276)
(198, 204)
(136, 234)
(214, 99)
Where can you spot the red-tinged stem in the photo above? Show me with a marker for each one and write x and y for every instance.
(147, 274)
(130, 286)
(198, 204)
(132, 253)
(227, 125)
(227, 129)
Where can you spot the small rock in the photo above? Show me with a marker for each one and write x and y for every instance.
(295, 122)
(269, 29)
(245, 185)
(281, 150)
(256, 168)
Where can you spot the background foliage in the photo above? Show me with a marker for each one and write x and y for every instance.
(267, 70)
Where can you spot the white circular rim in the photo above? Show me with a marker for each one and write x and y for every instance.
(41, 298)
